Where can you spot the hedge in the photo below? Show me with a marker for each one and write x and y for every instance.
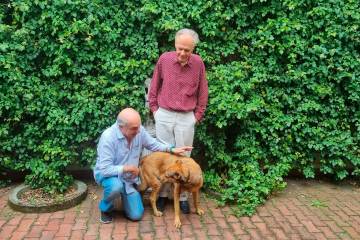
(283, 81)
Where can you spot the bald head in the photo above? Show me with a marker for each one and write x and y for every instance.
(129, 122)
(128, 116)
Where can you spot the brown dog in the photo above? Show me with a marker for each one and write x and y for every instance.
(186, 175)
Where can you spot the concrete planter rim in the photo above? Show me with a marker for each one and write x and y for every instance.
(68, 202)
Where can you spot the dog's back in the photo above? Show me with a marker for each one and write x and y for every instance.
(152, 167)
(155, 165)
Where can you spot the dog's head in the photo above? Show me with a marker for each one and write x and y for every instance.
(177, 172)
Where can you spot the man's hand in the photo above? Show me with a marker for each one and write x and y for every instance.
(152, 114)
(181, 150)
(134, 171)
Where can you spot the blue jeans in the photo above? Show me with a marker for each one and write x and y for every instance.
(132, 203)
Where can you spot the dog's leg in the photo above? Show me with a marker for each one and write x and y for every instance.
(143, 182)
(196, 199)
(177, 221)
(153, 197)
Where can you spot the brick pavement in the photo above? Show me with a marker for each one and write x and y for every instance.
(307, 209)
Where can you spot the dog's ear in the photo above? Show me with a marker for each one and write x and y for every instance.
(169, 173)
(186, 176)
(172, 174)
(178, 161)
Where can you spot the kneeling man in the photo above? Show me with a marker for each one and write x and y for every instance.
(117, 162)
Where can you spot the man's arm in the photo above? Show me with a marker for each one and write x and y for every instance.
(151, 143)
(154, 145)
(203, 93)
(155, 85)
(106, 156)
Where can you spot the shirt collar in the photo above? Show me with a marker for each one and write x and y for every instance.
(118, 132)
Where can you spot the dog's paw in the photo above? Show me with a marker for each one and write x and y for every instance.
(158, 213)
(177, 223)
(199, 211)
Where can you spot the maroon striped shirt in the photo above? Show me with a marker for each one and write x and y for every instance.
(179, 88)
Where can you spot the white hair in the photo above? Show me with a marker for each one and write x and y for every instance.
(189, 32)
(121, 122)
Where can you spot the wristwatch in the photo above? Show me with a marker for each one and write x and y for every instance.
(171, 149)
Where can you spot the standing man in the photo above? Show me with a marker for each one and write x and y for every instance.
(178, 97)
(117, 162)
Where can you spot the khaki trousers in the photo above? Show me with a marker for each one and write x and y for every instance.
(176, 128)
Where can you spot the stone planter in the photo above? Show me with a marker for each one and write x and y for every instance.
(67, 202)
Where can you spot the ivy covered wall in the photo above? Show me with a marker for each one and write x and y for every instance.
(283, 78)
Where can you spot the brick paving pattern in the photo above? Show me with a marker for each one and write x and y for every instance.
(306, 209)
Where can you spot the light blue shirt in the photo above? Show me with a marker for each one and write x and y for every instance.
(113, 153)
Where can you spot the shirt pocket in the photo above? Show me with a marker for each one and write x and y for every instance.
(192, 88)
(121, 156)
(191, 82)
